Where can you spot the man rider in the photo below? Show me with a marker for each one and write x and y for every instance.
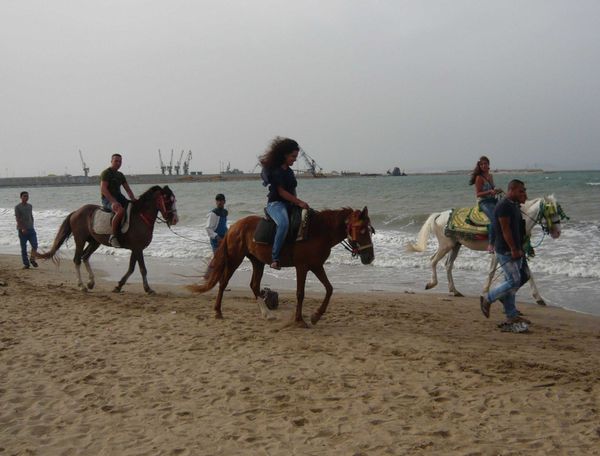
(113, 200)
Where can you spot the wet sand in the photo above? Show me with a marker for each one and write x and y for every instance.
(131, 374)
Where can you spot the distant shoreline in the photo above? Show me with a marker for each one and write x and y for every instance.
(67, 181)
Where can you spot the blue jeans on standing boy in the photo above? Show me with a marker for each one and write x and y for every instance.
(487, 207)
(277, 210)
(31, 237)
(507, 290)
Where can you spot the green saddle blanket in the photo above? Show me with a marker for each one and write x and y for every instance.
(468, 222)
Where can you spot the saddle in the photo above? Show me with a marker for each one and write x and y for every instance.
(467, 223)
(298, 230)
(101, 220)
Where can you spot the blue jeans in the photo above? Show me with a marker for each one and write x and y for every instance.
(487, 207)
(31, 237)
(507, 290)
(214, 243)
(277, 210)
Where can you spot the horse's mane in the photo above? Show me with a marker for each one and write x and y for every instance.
(330, 218)
(548, 199)
(148, 194)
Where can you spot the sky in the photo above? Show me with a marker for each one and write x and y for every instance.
(362, 85)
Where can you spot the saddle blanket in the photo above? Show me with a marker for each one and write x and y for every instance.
(467, 222)
(298, 230)
(101, 221)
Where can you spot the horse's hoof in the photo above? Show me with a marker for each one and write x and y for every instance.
(315, 318)
(117, 290)
(429, 286)
(84, 289)
(458, 294)
(150, 291)
(91, 285)
(218, 315)
(541, 302)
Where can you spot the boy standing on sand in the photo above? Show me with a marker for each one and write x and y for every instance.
(24, 216)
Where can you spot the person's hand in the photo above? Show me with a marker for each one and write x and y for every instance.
(302, 204)
(24, 230)
(497, 191)
(516, 253)
(116, 207)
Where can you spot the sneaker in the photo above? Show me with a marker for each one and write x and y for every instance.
(113, 241)
(515, 327)
(33, 263)
(275, 265)
(26, 266)
(484, 305)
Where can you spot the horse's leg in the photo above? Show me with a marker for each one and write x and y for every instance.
(491, 274)
(257, 273)
(449, 265)
(77, 260)
(437, 256)
(144, 272)
(132, 261)
(301, 272)
(232, 265)
(87, 253)
(534, 290)
(320, 273)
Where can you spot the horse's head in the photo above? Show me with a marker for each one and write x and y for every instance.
(551, 214)
(165, 200)
(359, 232)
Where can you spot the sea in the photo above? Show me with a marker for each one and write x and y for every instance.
(567, 270)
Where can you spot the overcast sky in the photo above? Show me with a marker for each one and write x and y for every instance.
(361, 85)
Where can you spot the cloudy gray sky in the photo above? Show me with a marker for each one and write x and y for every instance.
(362, 85)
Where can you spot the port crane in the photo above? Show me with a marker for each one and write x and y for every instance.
(170, 165)
(178, 164)
(86, 169)
(313, 168)
(163, 167)
(186, 163)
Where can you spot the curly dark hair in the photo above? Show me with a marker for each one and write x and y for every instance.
(274, 156)
(477, 171)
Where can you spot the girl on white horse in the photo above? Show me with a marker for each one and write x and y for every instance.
(486, 193)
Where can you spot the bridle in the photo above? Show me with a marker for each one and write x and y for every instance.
(351, 242)
(548, 215)
(168, 214)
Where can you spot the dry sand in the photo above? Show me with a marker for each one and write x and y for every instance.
(130, 374)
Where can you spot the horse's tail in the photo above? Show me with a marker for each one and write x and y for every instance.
(63, 234)
(216, 269)
(423, 236)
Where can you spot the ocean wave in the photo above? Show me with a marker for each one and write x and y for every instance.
(592, 183)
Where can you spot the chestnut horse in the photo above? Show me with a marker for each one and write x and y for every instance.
(139, 235)
(327, 229)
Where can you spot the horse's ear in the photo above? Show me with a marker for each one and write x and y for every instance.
(364, 213)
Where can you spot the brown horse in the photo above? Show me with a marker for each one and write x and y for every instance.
(327, 229)
(141, 225)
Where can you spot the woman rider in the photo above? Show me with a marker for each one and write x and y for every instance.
(279, 176)
(486, 192)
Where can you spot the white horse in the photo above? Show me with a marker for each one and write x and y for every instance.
(543, 211)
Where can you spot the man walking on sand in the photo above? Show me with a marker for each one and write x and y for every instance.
(24, 216)
(111, 181)
(509, 229)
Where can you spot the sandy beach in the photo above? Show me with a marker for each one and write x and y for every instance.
(100, 373)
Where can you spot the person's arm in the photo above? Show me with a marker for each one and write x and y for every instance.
(291, 198)
(211, 225)
(129, 191)
(515, 251)
(20, 225)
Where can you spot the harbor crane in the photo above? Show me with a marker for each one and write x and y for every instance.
(163, 167)
(313, 168)
(86, 169)
(170, 165)
(186, 163)
(178, 164)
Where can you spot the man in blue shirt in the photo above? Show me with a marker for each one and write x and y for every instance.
(509, 228)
